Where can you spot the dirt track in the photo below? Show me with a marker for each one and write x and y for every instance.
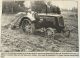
(16, 40)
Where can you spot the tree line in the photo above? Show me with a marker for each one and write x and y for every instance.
(42, 7)
(37, 6)
(12, 6)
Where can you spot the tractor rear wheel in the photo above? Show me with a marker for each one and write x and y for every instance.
(27, 26)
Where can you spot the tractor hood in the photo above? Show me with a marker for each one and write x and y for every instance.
(49, 15)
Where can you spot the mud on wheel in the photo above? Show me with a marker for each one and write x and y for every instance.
(27, 26)
(67, 33)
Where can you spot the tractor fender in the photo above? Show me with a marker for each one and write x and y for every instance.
(29, 16)
(26, 18)
(21, 16)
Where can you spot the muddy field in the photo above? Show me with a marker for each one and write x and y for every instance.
(18, 41)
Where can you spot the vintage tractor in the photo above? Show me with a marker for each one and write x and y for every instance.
(50, 23)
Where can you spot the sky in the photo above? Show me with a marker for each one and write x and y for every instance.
(65, 4)
(62, 4)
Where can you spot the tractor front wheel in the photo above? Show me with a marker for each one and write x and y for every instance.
(50, 32)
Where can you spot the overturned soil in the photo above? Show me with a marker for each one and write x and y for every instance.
(18, 41)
